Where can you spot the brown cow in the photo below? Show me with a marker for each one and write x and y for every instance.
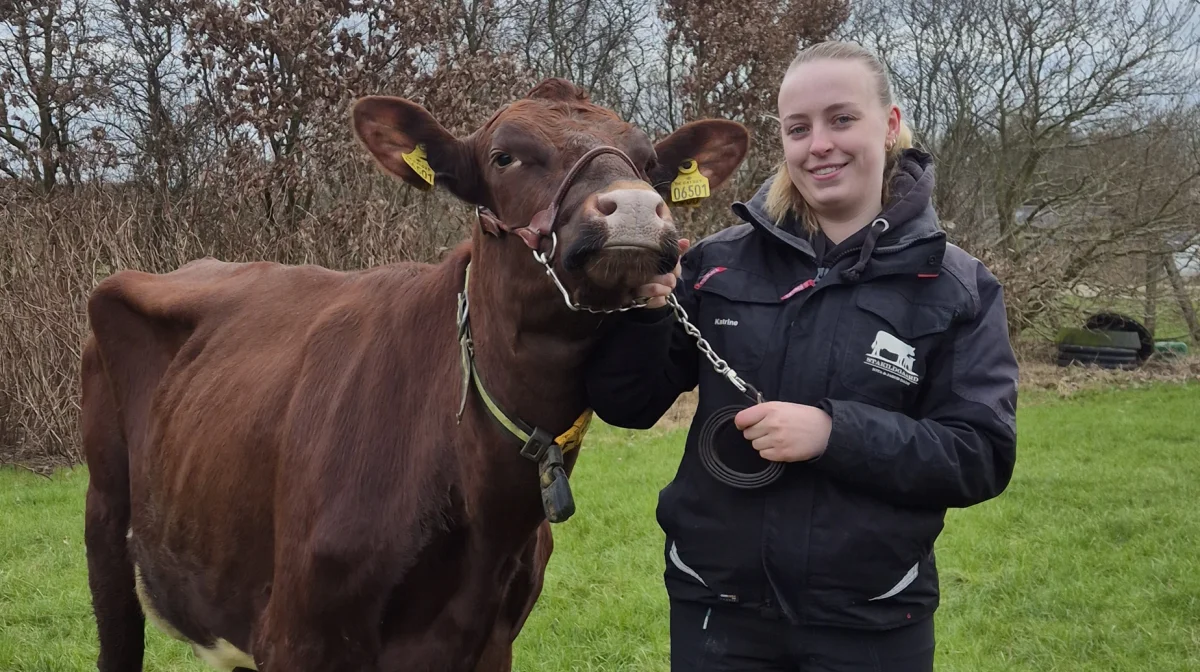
(289, 468)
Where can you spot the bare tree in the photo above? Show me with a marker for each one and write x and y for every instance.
(734, 56)
(600, 45)
(934, 50)
(1044, 116)
(52, 75)
(279, 75)
(1186, 306)
(163, 129)
(1150, 306)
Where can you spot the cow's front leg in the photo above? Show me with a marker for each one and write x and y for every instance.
(479, 595)
(522, 594)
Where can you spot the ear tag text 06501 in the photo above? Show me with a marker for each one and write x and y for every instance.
(417, 160)
(690, 186)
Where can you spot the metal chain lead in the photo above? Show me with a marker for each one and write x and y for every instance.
(544, 260)
(706, 442)
(720, 365)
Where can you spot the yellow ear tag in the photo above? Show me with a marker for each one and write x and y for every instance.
(420, 165)
(689, 187)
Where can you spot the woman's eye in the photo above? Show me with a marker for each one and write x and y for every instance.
(796, 129)
(502, 159)
(843, 119)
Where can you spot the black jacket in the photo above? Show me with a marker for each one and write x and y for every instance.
(902, 339)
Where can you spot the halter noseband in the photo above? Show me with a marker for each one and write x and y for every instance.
(542, 225)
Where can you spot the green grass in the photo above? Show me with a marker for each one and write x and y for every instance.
(1091, 560)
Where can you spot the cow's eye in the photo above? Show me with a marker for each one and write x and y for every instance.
(501, 159)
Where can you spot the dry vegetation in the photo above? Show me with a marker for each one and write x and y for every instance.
(55, 250)
(143, 134)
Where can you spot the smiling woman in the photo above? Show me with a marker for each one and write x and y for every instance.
(832, 117)
(889, 390)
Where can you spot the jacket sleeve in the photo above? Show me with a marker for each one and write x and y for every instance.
(645, 360)
(962, 450)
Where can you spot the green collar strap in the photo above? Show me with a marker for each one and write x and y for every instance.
(538, 445)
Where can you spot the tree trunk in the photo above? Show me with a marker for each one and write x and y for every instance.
(47, 140)
(1151, 312)
(1181, 295)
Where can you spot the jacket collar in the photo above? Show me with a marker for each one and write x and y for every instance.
(913, 242)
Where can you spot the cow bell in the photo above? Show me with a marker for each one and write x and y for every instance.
(557, 501)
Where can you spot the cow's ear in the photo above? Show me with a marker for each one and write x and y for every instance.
(409, 143)
(717, 146)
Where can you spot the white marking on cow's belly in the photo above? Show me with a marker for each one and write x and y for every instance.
(148, 609)
(221, 655)
(224, 656)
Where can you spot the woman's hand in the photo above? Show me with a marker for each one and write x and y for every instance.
(661, 286)
(785, 432)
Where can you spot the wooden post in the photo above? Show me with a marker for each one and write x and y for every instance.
(1151, 310)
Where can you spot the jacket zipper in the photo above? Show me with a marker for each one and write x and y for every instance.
(806, 291)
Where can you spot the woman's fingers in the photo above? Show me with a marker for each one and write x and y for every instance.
(657, 290)
(661, 286)
(684, 244)
(656, 293)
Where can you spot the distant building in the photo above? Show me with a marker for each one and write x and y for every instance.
(1188, 262)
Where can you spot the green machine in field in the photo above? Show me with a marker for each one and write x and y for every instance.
(1112, 341)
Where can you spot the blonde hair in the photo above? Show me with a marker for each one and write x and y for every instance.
(783, 195)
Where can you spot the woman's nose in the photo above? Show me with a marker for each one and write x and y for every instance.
(820, 142)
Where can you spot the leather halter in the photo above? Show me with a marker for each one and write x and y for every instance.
(542, 224)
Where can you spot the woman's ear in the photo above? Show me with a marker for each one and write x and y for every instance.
(893, 126)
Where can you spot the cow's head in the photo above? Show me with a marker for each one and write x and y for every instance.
(612, 224)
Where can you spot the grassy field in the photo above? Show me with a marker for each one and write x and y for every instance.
(1091, 560)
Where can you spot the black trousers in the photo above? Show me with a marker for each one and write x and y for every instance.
(734, 638)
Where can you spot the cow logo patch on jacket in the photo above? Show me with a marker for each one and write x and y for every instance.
(893, 358)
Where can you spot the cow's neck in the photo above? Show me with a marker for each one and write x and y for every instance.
(529, 347)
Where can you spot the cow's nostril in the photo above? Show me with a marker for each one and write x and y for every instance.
(606, 204)
(661, 210)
